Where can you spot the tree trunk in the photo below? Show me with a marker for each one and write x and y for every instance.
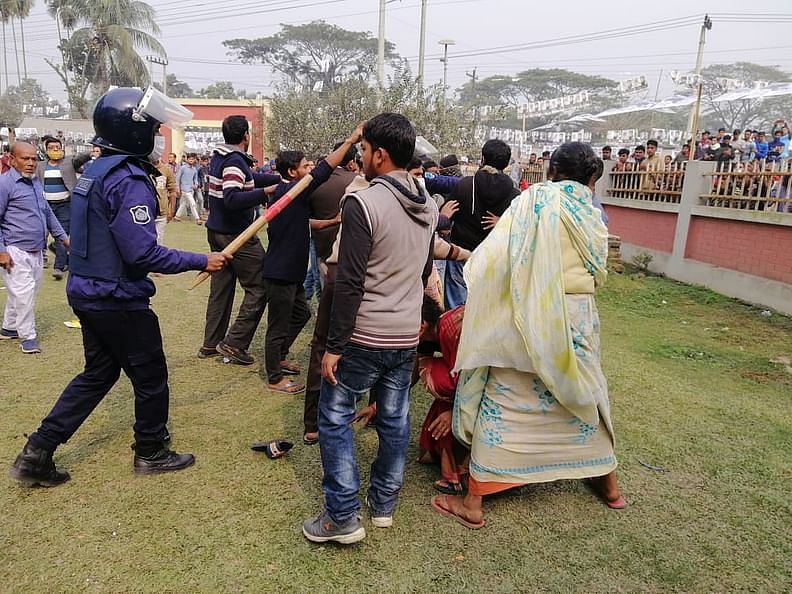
(16, 53)
(24, 56)
(5, 56)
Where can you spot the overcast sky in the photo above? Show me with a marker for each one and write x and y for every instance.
(192, 33)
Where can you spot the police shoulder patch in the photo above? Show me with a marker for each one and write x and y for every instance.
(140, 214)
(83, 185)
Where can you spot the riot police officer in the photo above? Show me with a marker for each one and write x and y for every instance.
(113, 248)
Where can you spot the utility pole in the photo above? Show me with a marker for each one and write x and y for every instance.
(422, 46)
(445, 43)
(162, 62)
(695, 110)
(381, 47)
(473, 79)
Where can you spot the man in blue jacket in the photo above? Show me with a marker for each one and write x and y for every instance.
(113, 248)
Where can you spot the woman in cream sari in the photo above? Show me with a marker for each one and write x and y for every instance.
(532, 401)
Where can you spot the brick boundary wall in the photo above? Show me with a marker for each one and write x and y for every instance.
(651, 229)
(753, 248)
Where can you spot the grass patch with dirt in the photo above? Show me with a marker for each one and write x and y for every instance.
(693, 389)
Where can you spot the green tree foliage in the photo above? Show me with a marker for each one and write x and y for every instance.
(10, 11)
(32, 97)
(743, 113)
(223, 89)
(29, 98)
(101, 45)
(314, 52)
(176, 87)
(505, 93)
(314, 121)
(10, 112)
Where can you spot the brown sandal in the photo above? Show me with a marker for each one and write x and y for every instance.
(288, 387)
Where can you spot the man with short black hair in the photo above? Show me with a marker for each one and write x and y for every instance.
(682, 156)
(654, 161)
(623, 160)
(326, 208)
(639, 155)
(385, 253)
(59, 176)
(606, 153)
(286, 261)
(234, 190)
(186, 187)
(488, 192)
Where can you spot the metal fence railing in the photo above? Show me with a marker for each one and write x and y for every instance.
(655, 185)
(533, 174)
(751, 186)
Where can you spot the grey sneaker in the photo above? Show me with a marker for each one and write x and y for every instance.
(323, 529)
(379, 520)
(30, 346)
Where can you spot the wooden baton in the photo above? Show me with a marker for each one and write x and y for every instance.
(261, 222)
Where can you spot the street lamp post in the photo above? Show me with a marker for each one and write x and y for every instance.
(445, 43)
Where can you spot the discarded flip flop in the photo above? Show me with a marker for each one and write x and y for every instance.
(273, 449)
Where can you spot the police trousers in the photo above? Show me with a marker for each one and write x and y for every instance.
(112, 341)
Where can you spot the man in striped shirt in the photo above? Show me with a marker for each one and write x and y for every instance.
(58, 176)
(234, 192)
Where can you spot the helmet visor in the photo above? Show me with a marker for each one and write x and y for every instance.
(156, 106)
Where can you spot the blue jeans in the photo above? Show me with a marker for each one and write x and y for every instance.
(454, 286)
(387, 374)
(62, 212)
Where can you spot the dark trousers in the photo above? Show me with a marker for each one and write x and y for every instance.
(313, 382)
(245, 267)
(287, 316)
(62, 212)
(112, 341)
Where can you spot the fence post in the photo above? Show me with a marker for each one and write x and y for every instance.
(604, 183)
(694, 185)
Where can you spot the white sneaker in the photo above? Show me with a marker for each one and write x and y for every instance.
(379, 521)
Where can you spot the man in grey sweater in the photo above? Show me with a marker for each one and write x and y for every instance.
(384, 258)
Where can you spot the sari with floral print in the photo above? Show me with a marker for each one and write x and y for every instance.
(532, 401)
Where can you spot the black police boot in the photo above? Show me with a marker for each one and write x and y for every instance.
(160, 459)
(34, 466)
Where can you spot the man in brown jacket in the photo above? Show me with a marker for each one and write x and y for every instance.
(166, 198)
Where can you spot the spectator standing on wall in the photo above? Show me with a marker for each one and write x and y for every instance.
(762, 147)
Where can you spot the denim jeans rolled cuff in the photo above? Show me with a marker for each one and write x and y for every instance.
(387, 374)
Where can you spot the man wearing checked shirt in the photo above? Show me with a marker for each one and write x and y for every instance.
(25, 220)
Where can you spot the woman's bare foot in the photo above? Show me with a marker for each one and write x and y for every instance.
(607, 488)
(467, 508)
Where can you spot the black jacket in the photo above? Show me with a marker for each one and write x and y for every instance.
(493, 193)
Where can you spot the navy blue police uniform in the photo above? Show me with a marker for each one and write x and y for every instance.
(113, 248)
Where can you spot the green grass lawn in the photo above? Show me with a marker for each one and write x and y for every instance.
(692, 388)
